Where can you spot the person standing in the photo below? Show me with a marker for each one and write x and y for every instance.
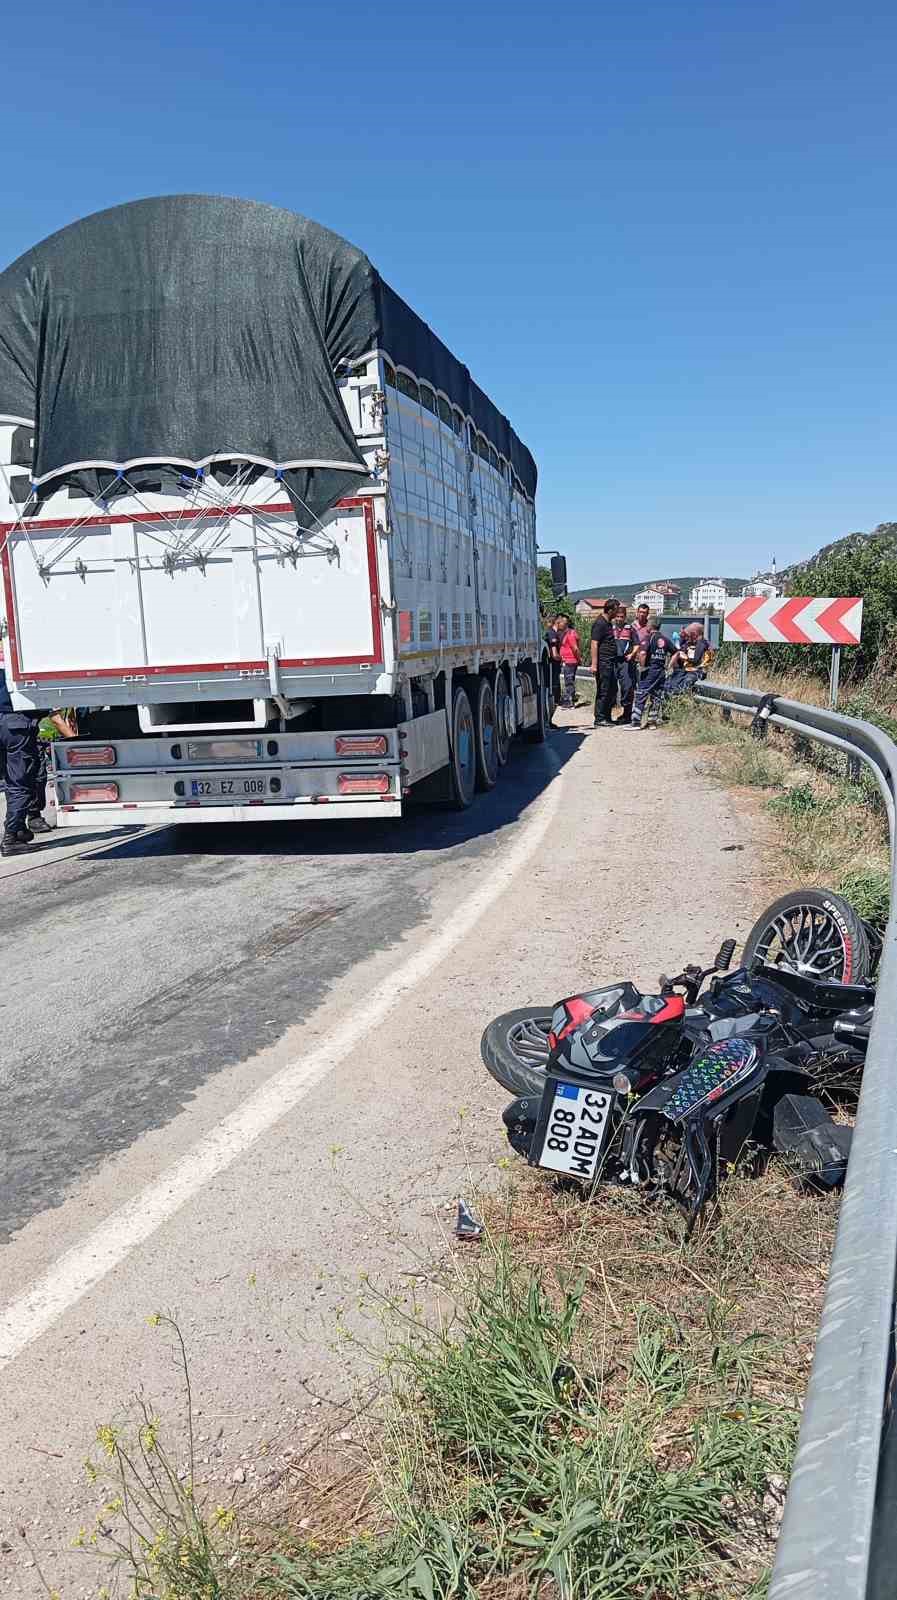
(627, 663)
(603, 664)
(643, 626)
(659, 650)
(569, 651)
(18, 743)
(553, 641)
(60, 723)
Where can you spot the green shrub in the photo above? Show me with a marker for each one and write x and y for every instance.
(869, 892)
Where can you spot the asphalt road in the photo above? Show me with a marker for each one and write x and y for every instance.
(133, 975)
(239, 1068)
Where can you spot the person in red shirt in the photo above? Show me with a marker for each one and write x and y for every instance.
(569, 652)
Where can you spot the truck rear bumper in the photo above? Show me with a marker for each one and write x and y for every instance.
(156, 815)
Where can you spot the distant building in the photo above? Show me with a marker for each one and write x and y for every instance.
(709, 592)
(589, 607)
(654, 597)
(760, 589)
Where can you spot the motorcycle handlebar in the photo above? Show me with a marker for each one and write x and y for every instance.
(691, 979)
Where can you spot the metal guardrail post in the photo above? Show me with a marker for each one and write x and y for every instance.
(837, 1540)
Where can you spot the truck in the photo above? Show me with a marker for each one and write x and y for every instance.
(258, 525)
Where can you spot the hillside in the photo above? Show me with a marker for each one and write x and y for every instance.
(627, 591)
(885, 533)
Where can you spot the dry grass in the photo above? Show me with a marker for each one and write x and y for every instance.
(592, 1384)
(762, 1262)
(830, 827)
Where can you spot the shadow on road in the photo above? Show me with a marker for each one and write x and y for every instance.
(528, 772)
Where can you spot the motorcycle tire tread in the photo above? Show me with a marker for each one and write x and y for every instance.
(500, 1060)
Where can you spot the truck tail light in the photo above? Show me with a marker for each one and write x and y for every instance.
(363, 783)
(93, 793)
(358, 744)
(100, 755)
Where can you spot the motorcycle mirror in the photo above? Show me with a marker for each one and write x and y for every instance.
(724, 956)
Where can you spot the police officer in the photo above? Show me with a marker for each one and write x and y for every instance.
(18, 743)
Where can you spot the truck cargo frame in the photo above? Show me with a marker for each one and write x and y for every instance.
(425, 580)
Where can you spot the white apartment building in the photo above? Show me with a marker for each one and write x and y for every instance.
(654, 599)
(764, 591)
(709, 592)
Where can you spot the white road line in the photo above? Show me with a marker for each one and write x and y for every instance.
(77, 1271)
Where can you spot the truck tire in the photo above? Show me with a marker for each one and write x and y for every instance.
(485, 735)
(536, 734)
(814, 931)
(463, 755)
(504, 717)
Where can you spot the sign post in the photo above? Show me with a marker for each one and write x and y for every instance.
(798, 619)
(834, 677)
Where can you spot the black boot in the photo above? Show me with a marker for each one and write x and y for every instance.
(36, 824)
(14, 844)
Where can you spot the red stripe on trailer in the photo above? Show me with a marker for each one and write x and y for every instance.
(185, 514)
(21, 673)
(738, 622)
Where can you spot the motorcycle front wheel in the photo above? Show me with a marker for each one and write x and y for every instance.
(814, 932)
(515, 1049)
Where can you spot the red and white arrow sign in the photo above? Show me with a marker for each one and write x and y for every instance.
(800, 620)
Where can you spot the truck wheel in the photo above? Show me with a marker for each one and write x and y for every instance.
(464, 757)
(486, 735)
(504, 717)
(542, 691)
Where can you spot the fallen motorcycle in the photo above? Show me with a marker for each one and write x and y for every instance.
(666, 1091)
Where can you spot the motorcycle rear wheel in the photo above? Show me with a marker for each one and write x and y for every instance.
(515, 1049)
(814, 932)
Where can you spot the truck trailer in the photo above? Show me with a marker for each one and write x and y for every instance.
(258, 524)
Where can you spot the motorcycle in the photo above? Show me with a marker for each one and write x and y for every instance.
(665, 1091)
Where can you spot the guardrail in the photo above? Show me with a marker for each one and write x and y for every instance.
(838, 1539)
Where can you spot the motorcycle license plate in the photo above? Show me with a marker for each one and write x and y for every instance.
(574, 1129)
(242, 787)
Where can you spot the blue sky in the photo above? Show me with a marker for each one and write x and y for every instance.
(661, 235)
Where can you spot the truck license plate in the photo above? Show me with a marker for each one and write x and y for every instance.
(249, 787)
(575, 1130)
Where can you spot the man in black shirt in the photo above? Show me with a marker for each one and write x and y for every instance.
(553, 640)
(604, 662)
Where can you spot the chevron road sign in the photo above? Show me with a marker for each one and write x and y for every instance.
(798, 620)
